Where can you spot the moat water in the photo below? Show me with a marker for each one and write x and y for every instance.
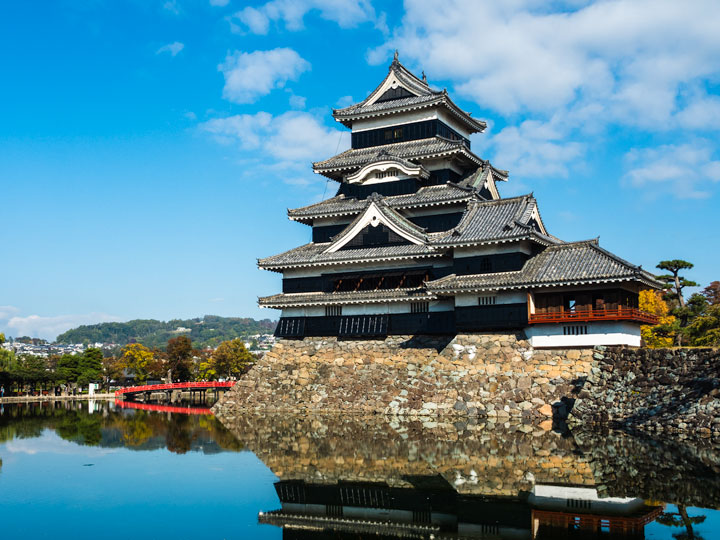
(97, 470)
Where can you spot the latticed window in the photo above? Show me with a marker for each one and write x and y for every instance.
(575, 330)
(487, 300)
(333, 311)
(386, 174)
(419, 307)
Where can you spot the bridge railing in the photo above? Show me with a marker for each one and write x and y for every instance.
(162, 408)
(173, 386)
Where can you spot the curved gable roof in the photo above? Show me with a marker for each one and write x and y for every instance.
(377, 211)
(418, 94)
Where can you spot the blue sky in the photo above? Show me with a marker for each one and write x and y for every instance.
(149, 149)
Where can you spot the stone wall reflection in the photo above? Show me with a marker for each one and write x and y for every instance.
(380, 475)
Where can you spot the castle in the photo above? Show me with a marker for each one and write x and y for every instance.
(418, 240)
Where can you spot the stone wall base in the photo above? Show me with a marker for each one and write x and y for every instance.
(657, 390)
(490, 374)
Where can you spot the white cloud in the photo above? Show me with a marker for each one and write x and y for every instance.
(702, 113)
(7, 311)
(633, 57)
(287, 143)
(250, 75)
(173, 48)
(536, 149)
(688, 170)
(297, 102)
(346, 13)
(172, 6)
(344, 101)
(291, 136)
(49, 327)
(50, 443)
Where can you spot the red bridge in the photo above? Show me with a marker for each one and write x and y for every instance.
(162, 408)
(193, 386)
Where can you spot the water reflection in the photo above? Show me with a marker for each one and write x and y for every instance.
(375, 477)
(102, 424)
(366, 477)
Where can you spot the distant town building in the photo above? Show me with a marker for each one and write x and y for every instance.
(418, 240)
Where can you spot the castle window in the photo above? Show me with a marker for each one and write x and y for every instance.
(386, 174)
(419, 307)
(485, 265)
(487, 300)
(393, 134)
(575, 330)
(333, 311)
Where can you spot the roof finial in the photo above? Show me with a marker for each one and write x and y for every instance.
(424, 77)
(395, 58)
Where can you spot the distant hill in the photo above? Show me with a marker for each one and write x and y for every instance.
(210, 331)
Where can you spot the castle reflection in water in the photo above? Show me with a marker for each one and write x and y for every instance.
(361, 477)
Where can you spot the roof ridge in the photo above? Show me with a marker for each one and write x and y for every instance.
(506, 200)
(587, 242)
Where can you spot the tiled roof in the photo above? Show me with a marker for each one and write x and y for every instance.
(414, 150)
(354, 297)
(477, 178)
(313, 255)
(563, 264)
(426, 196)
(359, 108)
(423, 96)
(486, 221)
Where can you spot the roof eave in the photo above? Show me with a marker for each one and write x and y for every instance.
(279, 267)
(476, 126)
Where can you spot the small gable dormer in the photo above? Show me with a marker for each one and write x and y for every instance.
(387, 168)
(378, 225)
(399, 83)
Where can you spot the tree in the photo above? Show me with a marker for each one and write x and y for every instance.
(7, 359)
(68, 368)
(663, 333)
(231, 358)
(179, 358)
(112, 369)
(681, 519)
(674, 282)
(90, 366)
(136, 357)
(705, 329)
(711, 292)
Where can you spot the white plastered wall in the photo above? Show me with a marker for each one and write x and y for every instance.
(501, 297)
(551, 497)
(367, 309)
(599, 333)
(494, 249)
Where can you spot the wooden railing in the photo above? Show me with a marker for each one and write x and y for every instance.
(202, 385)
(587, 315)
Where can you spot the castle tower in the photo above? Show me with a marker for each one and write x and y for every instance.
(418, 240)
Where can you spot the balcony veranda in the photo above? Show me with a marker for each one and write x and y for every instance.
(591, 315)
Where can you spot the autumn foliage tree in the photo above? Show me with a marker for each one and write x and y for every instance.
(137, 358)
(179, 358)
(712, 293)
(663, 333)
(231, 358)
